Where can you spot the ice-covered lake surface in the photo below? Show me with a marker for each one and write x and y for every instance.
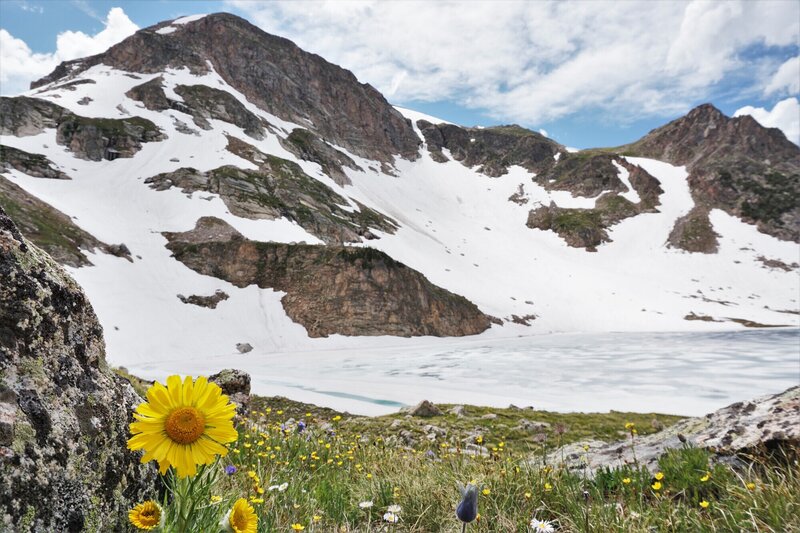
(677, 373)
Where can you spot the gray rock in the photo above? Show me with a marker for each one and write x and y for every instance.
(64, 415)
(235, 384)
(752, 427)
(458, 410)
(425, 409)
(244, 347)
(436, 431)
(489, 416)
(533, 426)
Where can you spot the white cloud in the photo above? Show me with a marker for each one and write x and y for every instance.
(30, 8)
(786, 79)
(784, 116)
(19, 65)
(535, 62)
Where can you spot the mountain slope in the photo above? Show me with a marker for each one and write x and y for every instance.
(301, 170)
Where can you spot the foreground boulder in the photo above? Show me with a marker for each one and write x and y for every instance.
(64, 415)
(236, 385)
(758, 427)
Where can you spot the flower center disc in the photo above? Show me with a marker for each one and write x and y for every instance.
(149, 517)
(185, 425)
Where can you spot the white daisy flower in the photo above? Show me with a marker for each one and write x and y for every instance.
(542, 526)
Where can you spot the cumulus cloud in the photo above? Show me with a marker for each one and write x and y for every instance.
(786, 79)
(19, 65)
(784, 116)
(538, 61)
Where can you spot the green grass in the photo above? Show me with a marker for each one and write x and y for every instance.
(575, 220)
(336, 463)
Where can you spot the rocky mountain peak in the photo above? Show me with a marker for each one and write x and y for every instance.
(734, 164)
(272, 72)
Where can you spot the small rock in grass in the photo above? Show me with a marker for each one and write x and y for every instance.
(425, 409)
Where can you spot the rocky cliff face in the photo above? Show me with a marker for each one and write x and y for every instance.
(271, 72)
(734, 164)
(94, 139)
(492, 149)
(330, 289)
(64, 416)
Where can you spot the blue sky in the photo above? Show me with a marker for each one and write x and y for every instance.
(588, 73)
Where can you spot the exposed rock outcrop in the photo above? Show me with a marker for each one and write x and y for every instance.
(209, 302)
(734, 164)
(89, 138)
(273, 73)
(583, 228)
(206, 102)
(589, 175)
(47, 227)
(309, 147)
(330, 289)
(35, 165)
(64, 415)
(693, 232)
(582, 173)
(756, 427)
(279, 188)
(492, 149)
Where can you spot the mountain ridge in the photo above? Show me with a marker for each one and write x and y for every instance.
(500, 216)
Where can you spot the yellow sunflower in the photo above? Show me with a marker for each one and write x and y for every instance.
(147, 515)
(241, 518)
(184, 424)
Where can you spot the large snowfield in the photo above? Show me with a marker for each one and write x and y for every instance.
(609, 331)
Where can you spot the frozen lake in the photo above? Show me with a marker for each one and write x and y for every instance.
(677, 373)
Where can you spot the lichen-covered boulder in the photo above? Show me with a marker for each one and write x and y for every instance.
(236, 385)
(758, 427)
(64, 415)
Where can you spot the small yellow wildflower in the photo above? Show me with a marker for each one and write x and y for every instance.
(626, 480)
(705, 477)
(659, 476)
(146, 516)
(242, 517)
(336, 418)
(528, 495)
(216, 499)
(629, 425)
(298, 527)
(548, 487)
(656, 485)
(316, 518)
(486, 492)
(704, 504)
(751, 486)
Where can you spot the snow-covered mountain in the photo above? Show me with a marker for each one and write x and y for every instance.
(211, 185)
